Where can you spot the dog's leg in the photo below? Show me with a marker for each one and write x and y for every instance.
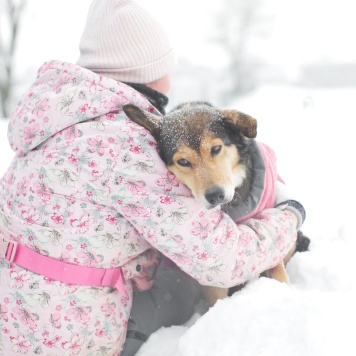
(301, 245)
(290, 253)
(212, 294)
(278, 273)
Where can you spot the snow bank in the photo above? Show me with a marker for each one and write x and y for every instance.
(269, 318)
(315, 316)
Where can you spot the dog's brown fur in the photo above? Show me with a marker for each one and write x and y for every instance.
(207, 150)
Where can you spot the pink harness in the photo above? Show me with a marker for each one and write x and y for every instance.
(58, 270)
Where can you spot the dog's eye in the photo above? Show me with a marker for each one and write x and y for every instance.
(184, 163)
(215, 150)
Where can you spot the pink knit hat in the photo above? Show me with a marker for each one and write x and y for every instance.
(123, 42)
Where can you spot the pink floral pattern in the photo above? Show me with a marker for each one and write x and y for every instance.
(97, 145)
(87, 187)
(30, 133)
(201, 228)
(168, 181)
(40, 107)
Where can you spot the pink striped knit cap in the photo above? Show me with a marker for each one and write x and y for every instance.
(124, 42)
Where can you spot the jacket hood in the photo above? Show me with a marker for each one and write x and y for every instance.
(58, 99)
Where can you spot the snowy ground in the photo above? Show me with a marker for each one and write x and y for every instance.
(311, 132)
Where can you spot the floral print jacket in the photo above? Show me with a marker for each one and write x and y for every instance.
(87, 187)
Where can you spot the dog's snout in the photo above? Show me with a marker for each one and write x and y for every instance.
(215, 196)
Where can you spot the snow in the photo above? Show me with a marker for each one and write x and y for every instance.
(314, 316)
(6, 153)
(270, 319)
(311, 132)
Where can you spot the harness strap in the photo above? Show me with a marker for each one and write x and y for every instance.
(58, 270)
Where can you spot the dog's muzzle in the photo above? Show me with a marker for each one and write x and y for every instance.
(215, 196)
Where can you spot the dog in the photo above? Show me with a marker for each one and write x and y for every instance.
(209, 151)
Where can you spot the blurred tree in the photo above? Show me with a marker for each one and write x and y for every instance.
(239, 24)
(10, 18)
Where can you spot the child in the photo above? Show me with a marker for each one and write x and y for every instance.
(87, 202)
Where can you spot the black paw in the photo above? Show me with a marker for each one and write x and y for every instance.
(302, 243)
(235, 289)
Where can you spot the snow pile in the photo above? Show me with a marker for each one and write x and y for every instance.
(329, 266)
(314, 316)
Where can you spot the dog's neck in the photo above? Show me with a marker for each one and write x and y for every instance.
(243, 191)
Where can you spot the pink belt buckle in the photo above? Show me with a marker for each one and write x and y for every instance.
(7, 248)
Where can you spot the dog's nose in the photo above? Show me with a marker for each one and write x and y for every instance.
(215, 195)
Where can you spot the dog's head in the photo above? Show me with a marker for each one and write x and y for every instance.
(205, 148)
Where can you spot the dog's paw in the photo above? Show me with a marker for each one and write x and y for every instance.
(302, 243)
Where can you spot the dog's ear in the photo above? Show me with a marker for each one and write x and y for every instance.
(144, 118)
(245, 123)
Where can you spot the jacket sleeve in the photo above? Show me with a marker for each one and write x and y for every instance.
(206, 244)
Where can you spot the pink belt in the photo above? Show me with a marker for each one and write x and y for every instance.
(58, 270)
